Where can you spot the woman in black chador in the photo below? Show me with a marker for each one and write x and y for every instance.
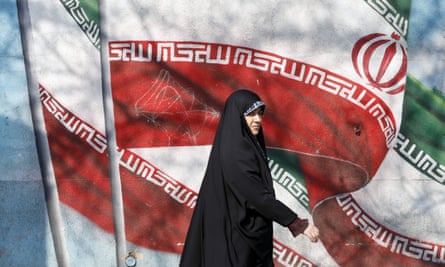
(232, 222)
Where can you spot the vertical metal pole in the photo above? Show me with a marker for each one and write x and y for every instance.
(113, 156)
(43, 151)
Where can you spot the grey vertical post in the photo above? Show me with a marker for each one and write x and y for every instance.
(113, 155)
(43, 151)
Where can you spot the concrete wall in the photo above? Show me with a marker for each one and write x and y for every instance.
(389, 209)
(25, 236)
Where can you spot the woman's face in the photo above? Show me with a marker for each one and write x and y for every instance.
(254, 120)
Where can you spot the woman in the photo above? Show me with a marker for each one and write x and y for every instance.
(232, 222)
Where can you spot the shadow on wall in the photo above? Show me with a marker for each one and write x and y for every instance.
(24, 227)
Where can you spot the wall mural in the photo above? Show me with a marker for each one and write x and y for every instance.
(355, 138)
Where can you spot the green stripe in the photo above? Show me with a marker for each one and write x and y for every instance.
(423, 126)
(86, 14)
(424, 118)
(395, 12)
(286, 172)
(403, 7)
(91, 8)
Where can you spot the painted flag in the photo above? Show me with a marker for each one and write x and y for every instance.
(333, 76)
(337, 112)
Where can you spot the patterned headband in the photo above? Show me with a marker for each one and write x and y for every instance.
(254, 106)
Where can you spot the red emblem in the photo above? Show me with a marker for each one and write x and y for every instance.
(382, 61)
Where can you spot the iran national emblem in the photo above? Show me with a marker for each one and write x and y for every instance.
(381, 60)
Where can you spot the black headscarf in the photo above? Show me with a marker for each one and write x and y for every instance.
(232, 221)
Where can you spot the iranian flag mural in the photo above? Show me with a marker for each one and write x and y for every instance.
(354, 127)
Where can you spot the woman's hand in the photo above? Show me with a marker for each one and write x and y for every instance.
(311, 232)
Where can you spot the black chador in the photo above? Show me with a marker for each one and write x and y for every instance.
(232, 222)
